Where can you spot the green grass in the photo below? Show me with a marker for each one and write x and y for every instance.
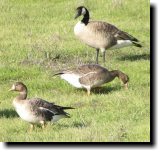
(37, 40)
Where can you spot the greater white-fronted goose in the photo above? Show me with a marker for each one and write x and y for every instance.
(91, 76)
(36, 110)
(101, 35)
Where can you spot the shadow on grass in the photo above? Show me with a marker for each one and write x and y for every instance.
(80, 124)
(98, 90)
(135, 57)
(60, 126)
(8, 113)
(105, 90)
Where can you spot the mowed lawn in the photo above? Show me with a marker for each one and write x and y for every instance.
(37, 40)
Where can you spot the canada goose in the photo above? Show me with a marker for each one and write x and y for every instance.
(91, 75)
(101, 35)
(36, 110)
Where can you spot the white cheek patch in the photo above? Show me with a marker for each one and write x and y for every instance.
(83, 11)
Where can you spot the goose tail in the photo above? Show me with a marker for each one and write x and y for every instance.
(59, 73)
(136, 44)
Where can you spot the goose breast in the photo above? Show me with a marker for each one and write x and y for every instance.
(95, 34)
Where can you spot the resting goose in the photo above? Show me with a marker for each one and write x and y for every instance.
(101, 35)
(36, 110)
(91, 75)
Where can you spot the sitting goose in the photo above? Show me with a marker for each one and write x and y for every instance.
(36, 110)
(91, 75)
(101, 35)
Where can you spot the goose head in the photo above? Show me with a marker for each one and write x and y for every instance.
(125, 79)
(81, 11)
(18, 86)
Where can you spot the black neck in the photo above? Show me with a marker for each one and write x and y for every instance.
(85, 19)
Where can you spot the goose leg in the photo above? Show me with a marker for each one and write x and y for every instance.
(126, 86)
(42, 124)
(31, 127)
(97, 56)
(88, 91)
(104, 55)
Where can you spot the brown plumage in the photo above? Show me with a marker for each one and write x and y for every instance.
(36, 110)
(101, 35)
(91, 75)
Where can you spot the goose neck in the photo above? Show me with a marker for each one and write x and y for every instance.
(85, 19)
(22, 95)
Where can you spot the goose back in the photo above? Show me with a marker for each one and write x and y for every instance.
(95, 76)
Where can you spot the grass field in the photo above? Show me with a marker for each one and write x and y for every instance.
(37, 40)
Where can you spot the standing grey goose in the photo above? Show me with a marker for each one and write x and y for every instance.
(91, 75)
(101, 35)
(36, 110)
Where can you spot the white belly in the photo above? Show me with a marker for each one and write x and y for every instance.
(24, 112)
(121, 43)
(73, 79)
(57, 117)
